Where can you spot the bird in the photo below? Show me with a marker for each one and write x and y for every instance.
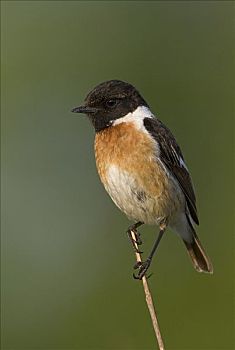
(142, 168)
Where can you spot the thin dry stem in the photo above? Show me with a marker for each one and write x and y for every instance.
(149, 299)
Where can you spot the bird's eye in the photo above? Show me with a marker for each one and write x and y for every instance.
(111, 103)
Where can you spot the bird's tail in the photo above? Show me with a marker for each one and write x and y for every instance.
(200, 260)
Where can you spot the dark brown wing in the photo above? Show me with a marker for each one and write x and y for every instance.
(172, 158)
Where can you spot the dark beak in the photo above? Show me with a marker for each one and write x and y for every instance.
(84, 109)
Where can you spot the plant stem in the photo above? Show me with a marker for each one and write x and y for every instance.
(149, 299)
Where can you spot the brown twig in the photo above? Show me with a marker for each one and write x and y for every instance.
(149, 299)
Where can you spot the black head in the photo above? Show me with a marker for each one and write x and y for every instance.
(108, 101)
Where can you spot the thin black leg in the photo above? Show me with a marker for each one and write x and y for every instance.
(143, 266)
(137, 235)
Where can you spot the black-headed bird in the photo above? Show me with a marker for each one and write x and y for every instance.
(142, 167)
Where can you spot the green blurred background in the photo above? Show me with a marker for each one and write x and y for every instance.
(66, 261)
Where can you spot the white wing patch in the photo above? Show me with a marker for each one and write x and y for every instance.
(178, 159)
(183, 165)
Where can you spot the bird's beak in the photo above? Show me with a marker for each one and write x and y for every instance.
(84, 109)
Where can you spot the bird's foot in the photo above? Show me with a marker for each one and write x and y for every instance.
(143, 267)
(137, 241)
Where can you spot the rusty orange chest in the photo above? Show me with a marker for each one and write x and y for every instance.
(127, 162)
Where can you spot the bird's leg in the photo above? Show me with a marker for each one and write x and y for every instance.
(133, 228)
(143, 266)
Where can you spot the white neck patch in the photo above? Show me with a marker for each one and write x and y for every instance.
(136, 118)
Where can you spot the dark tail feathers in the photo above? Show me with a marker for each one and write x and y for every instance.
(200, 260)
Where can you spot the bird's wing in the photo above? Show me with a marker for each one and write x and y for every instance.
(172, 158)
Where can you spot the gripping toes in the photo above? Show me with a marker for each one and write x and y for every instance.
(143, 267)
(135, 242)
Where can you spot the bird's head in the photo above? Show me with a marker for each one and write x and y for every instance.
(109, 101)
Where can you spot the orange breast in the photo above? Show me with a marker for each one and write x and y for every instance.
(131, 150)
(134, 152)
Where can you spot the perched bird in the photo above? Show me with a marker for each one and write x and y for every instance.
(142, 167)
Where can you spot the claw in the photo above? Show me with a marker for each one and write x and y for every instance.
(137, 265)
(143, 267)
(140, 278)
(136, 277)
(138, 239)
(135, 242)
(135, 249)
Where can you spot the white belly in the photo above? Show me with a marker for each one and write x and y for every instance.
(130, 198)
